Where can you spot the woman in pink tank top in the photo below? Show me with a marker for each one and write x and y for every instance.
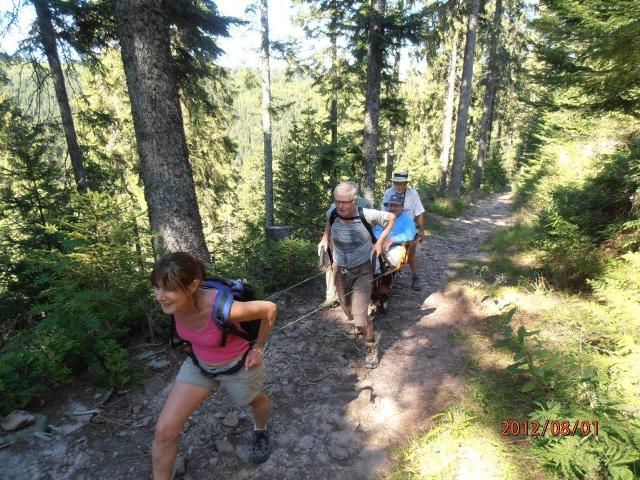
(176, 279)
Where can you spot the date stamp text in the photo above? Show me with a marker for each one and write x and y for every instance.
(555, 428)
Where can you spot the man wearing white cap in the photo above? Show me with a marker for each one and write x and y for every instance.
(415, 210)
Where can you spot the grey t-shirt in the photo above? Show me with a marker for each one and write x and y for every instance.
(351, 241)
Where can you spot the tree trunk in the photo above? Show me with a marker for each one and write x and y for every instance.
(266, 114)
(169, 190)
(448, 115)
(489, 96)
(492, 122)
(496, 145)
(425, 144)
(333, 109)
(391, 141)
(48, 40)
(372, 102)
(465, 100)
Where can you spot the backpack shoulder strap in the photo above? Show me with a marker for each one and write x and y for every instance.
(366, 224)
(333, 216)
(216, 282)
(224, 307)
(221, 308)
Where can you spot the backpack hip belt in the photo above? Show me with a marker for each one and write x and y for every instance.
(228, 371)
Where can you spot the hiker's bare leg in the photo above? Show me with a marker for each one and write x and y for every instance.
(182, 401)
(360, 299)
(260, 410)
(412, 260)
(367, 331)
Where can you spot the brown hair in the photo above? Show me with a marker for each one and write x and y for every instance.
(177, 270)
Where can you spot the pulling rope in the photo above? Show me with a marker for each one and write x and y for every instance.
(320, 307)
(277, 294)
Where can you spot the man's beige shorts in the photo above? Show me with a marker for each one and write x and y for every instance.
(243, 386)
(354, 291)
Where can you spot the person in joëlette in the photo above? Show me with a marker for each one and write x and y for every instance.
(415, 210)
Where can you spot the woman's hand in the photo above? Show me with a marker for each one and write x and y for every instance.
(254, 358)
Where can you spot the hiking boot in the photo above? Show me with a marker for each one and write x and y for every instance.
(371, 354)
(415, 283)
(261, 448)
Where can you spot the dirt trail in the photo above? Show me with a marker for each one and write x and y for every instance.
(330, 417)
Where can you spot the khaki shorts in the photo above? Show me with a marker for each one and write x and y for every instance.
(355, 304)
(243, 386)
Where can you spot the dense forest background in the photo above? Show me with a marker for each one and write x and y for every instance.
(472, 97)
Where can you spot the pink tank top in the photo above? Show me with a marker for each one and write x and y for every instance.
(206, 342)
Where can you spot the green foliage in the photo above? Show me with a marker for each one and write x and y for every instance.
(582, 186)
(578, 363)
(570, 257)
(495, 177)
(300, 196)
(448, 207)
(90, 27)
(19, 382)
(575, 386)
(31, 187)
(270, 266)
(33, 197)
(537, 365)
(93, 296)
(612, 452)
(619, 288)
(593, 45)
(603, 198)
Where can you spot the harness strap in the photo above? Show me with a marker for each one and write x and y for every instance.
(221, 308)
(366, 225)
(334, 215)
(232, 369)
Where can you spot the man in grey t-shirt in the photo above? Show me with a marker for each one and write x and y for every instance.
(331, 295)
(352, 247)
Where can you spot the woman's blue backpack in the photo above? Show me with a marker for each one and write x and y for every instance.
(228, 291)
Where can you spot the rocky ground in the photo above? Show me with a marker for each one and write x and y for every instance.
(331, 418)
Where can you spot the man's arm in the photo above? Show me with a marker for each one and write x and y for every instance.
(419, 215)
(379, 246)
(420, 227)
(324, 242)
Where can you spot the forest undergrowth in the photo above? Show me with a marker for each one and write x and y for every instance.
(559, 349)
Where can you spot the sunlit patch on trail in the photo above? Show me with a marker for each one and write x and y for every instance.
(459, 447)
(386, 409)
